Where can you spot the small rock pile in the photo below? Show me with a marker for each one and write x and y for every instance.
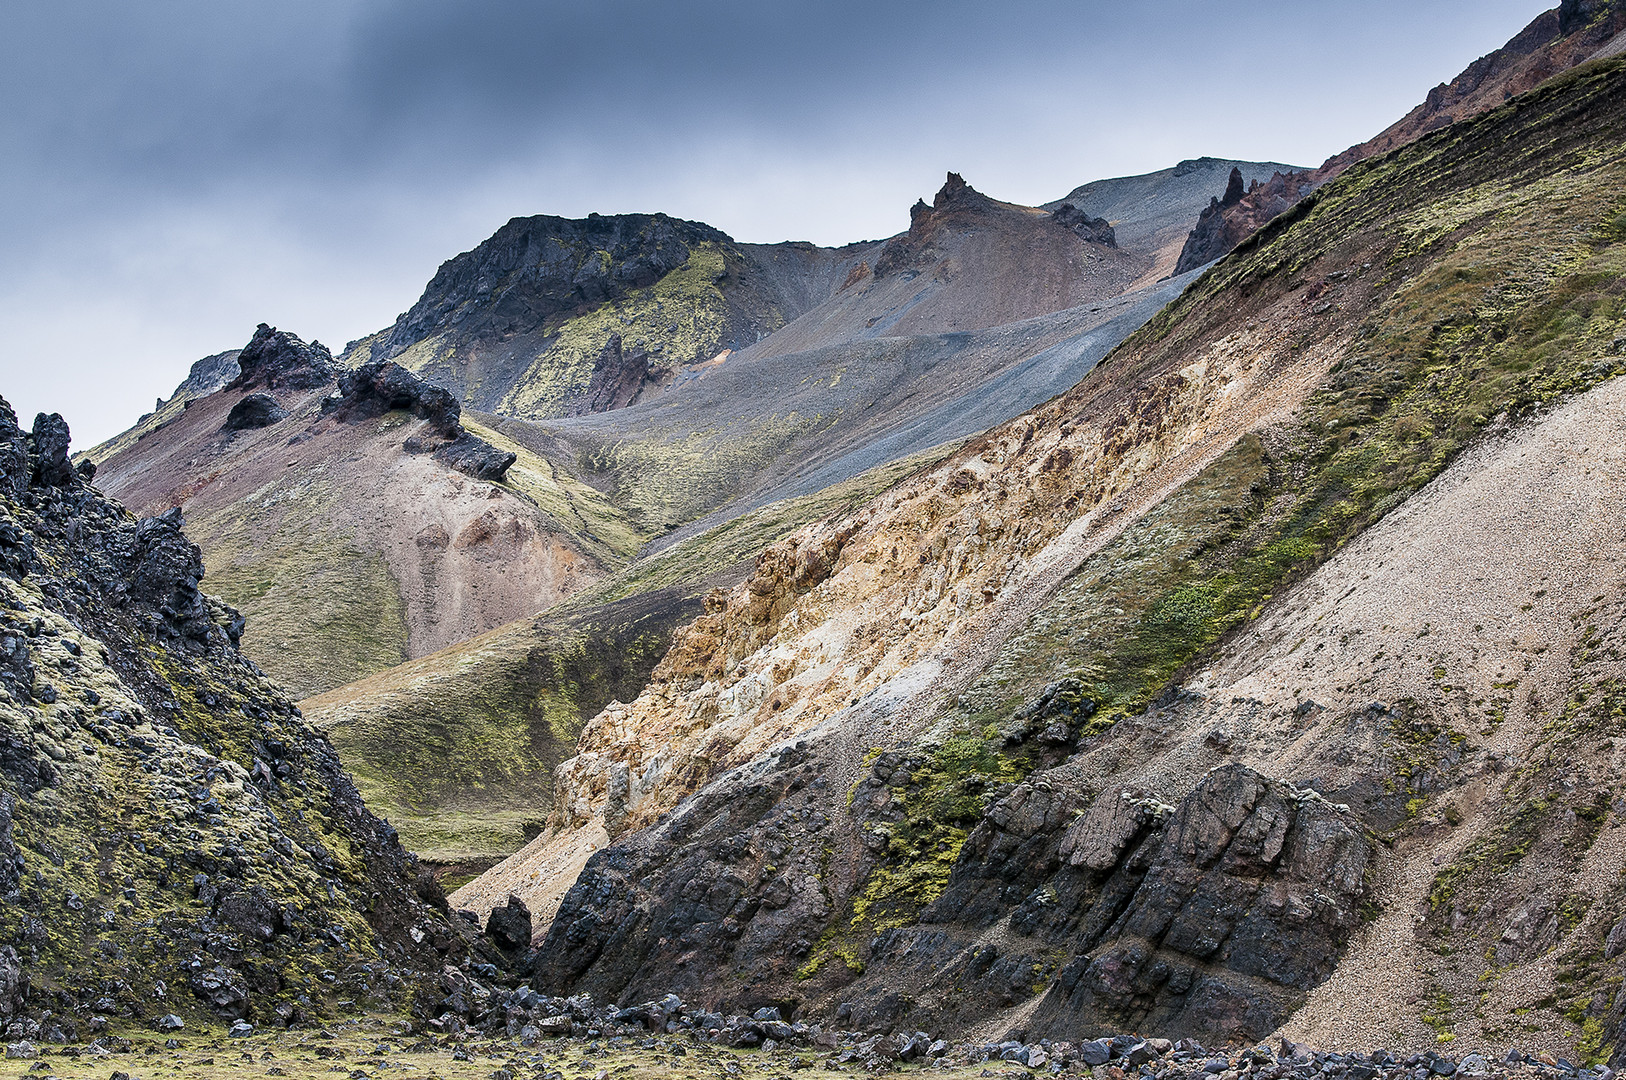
(529, 1017)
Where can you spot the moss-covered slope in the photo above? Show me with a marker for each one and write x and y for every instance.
(174, 836)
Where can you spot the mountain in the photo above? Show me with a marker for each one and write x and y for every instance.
(175, 839)
(1266, 677)
(1555, 41)
(1154, 212)
(350, 554)
(332, 521)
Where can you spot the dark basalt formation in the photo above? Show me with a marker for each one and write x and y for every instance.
(1209, 918)
(379, 386)
(620, 375)
(1092, 229)
(278, 360)
(174, 837)
(255, 411)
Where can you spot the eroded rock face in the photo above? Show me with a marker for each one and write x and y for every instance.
(1208, 918)
(255, 411)
(1248, 893)
(1231, 218)
(278, 360)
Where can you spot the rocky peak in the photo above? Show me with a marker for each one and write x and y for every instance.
(276, 360)
(537, 268)
(1233, 188)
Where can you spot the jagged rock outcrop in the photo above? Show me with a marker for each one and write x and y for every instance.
(1553, 42)
(1093, 229)
(48, 446)
(382, 385)
(620, 375)
(255, 411)
(229, 844)
(278, 360)
(1231, 218)
(917, 247)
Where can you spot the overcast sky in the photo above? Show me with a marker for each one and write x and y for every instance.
(175, 171)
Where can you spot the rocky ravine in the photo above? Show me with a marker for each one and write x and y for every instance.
(175, 840)
(849, 784)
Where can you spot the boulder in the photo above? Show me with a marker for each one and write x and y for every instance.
(278, 360)
(50, 443)
(509, 926)
(254, 411)
(475, 457)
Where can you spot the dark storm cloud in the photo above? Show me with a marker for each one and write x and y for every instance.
(176, 170)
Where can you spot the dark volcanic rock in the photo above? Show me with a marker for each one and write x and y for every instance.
(49, 444)
(118, 676)
(255, 411)
(1093, 229)
(1208, 919)
(1245, 901)
(379, 386)
(475, 457)
(277, 360)
(382, 385)
(509, 926)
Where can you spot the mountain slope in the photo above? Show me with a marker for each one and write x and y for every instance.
(558, 317)
(1555, 41)
(174, 837)
(950, 752)
(348, 552)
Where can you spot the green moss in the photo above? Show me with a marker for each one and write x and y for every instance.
(321, 611)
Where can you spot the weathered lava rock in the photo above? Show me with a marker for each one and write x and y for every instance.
(381, 385)
(1092, 229)
(509, 926)
(475, 457)
(278, 360)
(255, 411)
(49, 443)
